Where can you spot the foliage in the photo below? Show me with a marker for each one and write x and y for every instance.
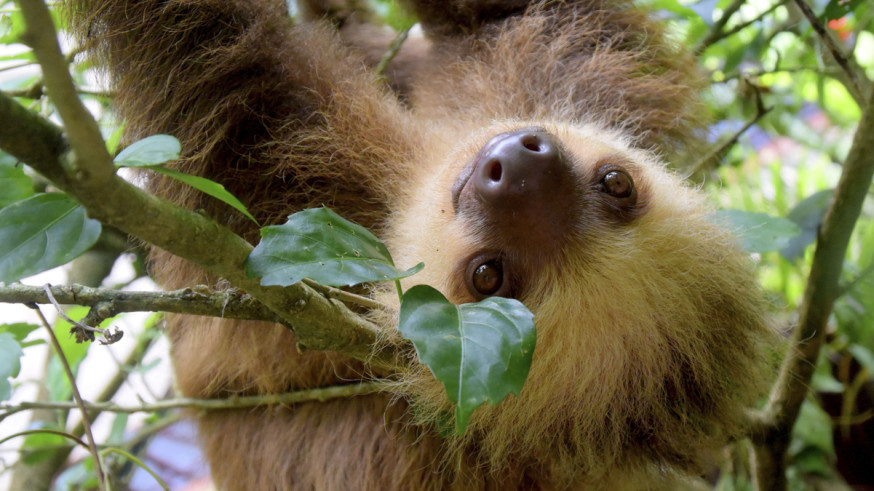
(774, 185)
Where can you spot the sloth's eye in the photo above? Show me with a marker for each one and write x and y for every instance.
(487, 278)
(617, 183)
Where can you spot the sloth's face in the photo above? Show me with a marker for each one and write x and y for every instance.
(521, 204)
(647, 311)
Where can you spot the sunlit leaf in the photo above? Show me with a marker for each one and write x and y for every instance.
(479, 352)
(154, 150)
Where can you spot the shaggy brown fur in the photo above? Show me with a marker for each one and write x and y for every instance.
(650, 328)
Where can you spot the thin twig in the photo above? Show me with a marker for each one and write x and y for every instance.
(46, 430)
(92, 445)
(717, 36)
(321, 394)
(343, 295)
(743, 25)
(722, 148)
(854, 75)
(715, 32)
(47, 288)
(855, 281)
(393, 48)
(138, 462)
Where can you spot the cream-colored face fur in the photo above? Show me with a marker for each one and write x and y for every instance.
(647, 323)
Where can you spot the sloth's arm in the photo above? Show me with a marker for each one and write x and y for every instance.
(278, 113)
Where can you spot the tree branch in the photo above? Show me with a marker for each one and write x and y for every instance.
(319, 322)
(857, 83)
(716, 30)
(228, 304)
(772, 432)
(91, 162)
(720, 149)
(77, 397)
(321, 394)
(715, 35)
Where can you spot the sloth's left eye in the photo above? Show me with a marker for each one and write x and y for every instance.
(617, 183)
(487, 278)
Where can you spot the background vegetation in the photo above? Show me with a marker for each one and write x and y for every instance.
(791, 82)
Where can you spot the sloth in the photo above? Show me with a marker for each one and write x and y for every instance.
(518, 148)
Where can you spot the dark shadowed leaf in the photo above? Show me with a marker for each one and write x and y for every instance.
(839, 8)
(759, 232)
(15, 185)
(808, 216)
(154, 150)
(42, 232)
(479, 351)
(320, 245)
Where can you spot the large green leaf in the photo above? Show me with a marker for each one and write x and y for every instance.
(759, 232)
(42, 232)
(479, 351)
(10, 353)
(320, 245)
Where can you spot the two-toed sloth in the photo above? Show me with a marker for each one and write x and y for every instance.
(523, 161)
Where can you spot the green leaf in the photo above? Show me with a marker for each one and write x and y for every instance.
(812, 429)
(19, 330)
(158, 149)
(479, 351)
(58, 385)
(37, 447)
(15, 185)
(211, 188)
(320, 245)
(808, 216)
(42, 232)
(116, 433)
(759, 232)
(154, 150)
(839, 8)
(864, 356)
(10, 354)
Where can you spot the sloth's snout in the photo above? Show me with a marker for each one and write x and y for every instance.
(519, 168)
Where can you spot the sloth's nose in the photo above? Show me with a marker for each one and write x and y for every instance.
(520, 167)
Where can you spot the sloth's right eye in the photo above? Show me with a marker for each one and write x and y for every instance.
(486, 276)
